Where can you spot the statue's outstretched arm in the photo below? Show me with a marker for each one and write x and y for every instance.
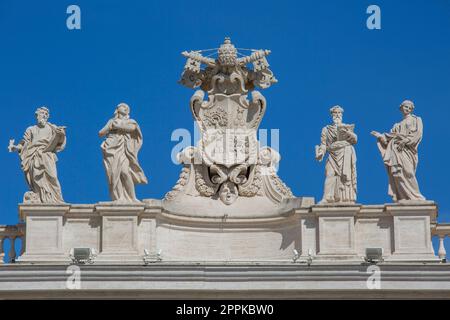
(27, 136)
(106, 129)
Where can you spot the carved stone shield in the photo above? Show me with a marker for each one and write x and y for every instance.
(228, 138)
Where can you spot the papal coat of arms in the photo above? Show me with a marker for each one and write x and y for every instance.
(228, 162)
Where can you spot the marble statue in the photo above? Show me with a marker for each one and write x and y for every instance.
(399, 150)
(228, 164)
(340, 170)
(37, 151)
(120, 155)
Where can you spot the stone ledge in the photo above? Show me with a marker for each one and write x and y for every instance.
(156, 206)
(237, 281)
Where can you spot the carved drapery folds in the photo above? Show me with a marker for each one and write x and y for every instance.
(228, 163)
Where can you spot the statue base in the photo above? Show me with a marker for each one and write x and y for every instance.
(298, 231)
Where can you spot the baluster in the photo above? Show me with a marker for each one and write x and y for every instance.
(22, 245)
(2, 252)
(22, 228)
(442, 253)
(12, 250)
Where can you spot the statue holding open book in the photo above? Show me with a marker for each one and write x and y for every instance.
(340, 170)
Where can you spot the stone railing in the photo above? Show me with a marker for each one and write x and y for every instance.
(441, 231)
(12, 233)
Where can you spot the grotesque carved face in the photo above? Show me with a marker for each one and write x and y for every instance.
(228, 193)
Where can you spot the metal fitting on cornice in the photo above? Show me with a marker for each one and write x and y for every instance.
(151, 257)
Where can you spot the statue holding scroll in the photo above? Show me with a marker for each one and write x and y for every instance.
(37, 151)
(340, 170)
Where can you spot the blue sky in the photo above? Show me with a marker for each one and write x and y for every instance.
(322, 55)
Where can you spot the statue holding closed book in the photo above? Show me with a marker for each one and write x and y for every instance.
(337, 140)
(37, 151)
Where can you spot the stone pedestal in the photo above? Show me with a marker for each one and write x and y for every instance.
(412, 232)
(122, 234)
(336, 231)
(44, 232)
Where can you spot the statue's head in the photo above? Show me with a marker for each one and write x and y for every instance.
(407, 107)
(122, 111)
(227, 54)
(336, 113)
(42, 115)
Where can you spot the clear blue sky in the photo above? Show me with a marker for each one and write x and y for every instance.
(322, 54)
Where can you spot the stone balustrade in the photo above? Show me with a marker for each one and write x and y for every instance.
(441, 231)
(13, 233)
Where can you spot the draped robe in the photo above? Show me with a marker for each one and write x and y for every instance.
(120, 158)
(340, 168)
(38, 161)
(401, 165)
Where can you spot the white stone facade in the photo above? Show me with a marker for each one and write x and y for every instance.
(121, 233)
